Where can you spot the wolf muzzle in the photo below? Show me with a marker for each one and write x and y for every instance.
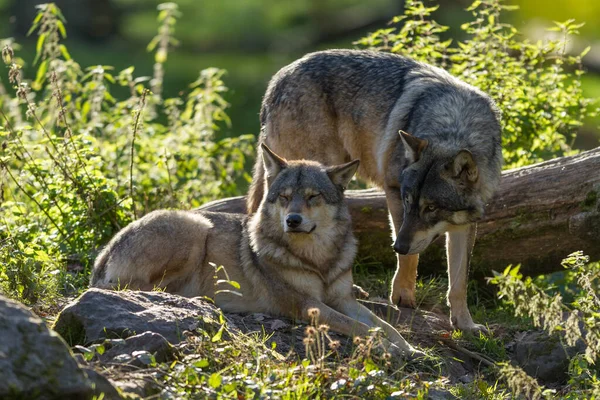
(293, 220)
(401, 247)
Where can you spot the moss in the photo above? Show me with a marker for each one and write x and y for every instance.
(590, 201)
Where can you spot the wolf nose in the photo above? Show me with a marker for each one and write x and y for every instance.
(293, 220)
(401, 247)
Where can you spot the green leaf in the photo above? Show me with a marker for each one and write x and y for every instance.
(33, 28)
(64, 52)
(61, 28)
(203, 363)
(109, 78)
(40, 42)
(160, 56)
(41, 75)
(60, 15)
(215, 380)
(370, 365)
(217, 337)
(162, 15)
(98, 348)
(37, 18)
(152, 45)
(232, 283)
(474, 5)
(42, 256)
(585, 51)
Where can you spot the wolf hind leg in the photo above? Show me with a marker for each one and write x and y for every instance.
(459, 246)
(257, 187)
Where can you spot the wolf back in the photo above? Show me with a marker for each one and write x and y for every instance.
(336, 105)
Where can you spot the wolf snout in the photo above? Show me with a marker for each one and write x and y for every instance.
(401, 247)
(293, 220)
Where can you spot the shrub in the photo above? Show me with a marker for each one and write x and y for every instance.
(78, 164)
(536, 85)
(577, 320)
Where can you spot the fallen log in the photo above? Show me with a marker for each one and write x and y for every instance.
(540, 214)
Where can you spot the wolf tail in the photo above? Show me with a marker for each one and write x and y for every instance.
(257, 188)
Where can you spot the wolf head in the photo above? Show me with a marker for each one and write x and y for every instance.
(304, 198)
(441, 189)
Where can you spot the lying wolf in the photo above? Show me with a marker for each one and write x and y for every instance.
(294, 254)
(338, 105)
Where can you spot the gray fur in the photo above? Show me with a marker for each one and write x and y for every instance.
(281, 270)
(337, 105)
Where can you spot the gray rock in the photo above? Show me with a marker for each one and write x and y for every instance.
(151, 342)
(98, 314)
(440, 394)
(102, 385)
(35, 362)
(142, 383)
(544, 357)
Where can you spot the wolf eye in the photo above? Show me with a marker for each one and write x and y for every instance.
(430, 208)
(284, 197)
(314, 196)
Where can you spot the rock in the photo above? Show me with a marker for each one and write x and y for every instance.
(150, 342)
(142, 383)
(35, 362)
(543, 356)
(99, 314)
(439, 394)
(102, 385)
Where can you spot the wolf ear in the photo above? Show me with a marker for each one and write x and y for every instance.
(413, 146)
(272, 162)
(342, 174)
(464, 166)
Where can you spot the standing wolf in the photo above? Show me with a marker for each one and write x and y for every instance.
(295, 253)
(337, 105)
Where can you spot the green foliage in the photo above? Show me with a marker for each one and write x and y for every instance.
(480, 389)
(78, 164)
(576, 321)
(536, 85)
(244, 367)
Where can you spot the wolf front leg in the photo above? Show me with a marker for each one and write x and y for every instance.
(459, 245)
(344, 324)
(359, 312)
(405, 281)
(405, 278)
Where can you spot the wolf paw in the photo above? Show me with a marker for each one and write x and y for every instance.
(408, 354)
(470, 327)
(359, 292)
(404, 298)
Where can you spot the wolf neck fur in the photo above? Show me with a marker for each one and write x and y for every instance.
(317, 253)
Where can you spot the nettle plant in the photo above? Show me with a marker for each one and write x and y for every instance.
(537, 85)
(569, 310)
(78, 164)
